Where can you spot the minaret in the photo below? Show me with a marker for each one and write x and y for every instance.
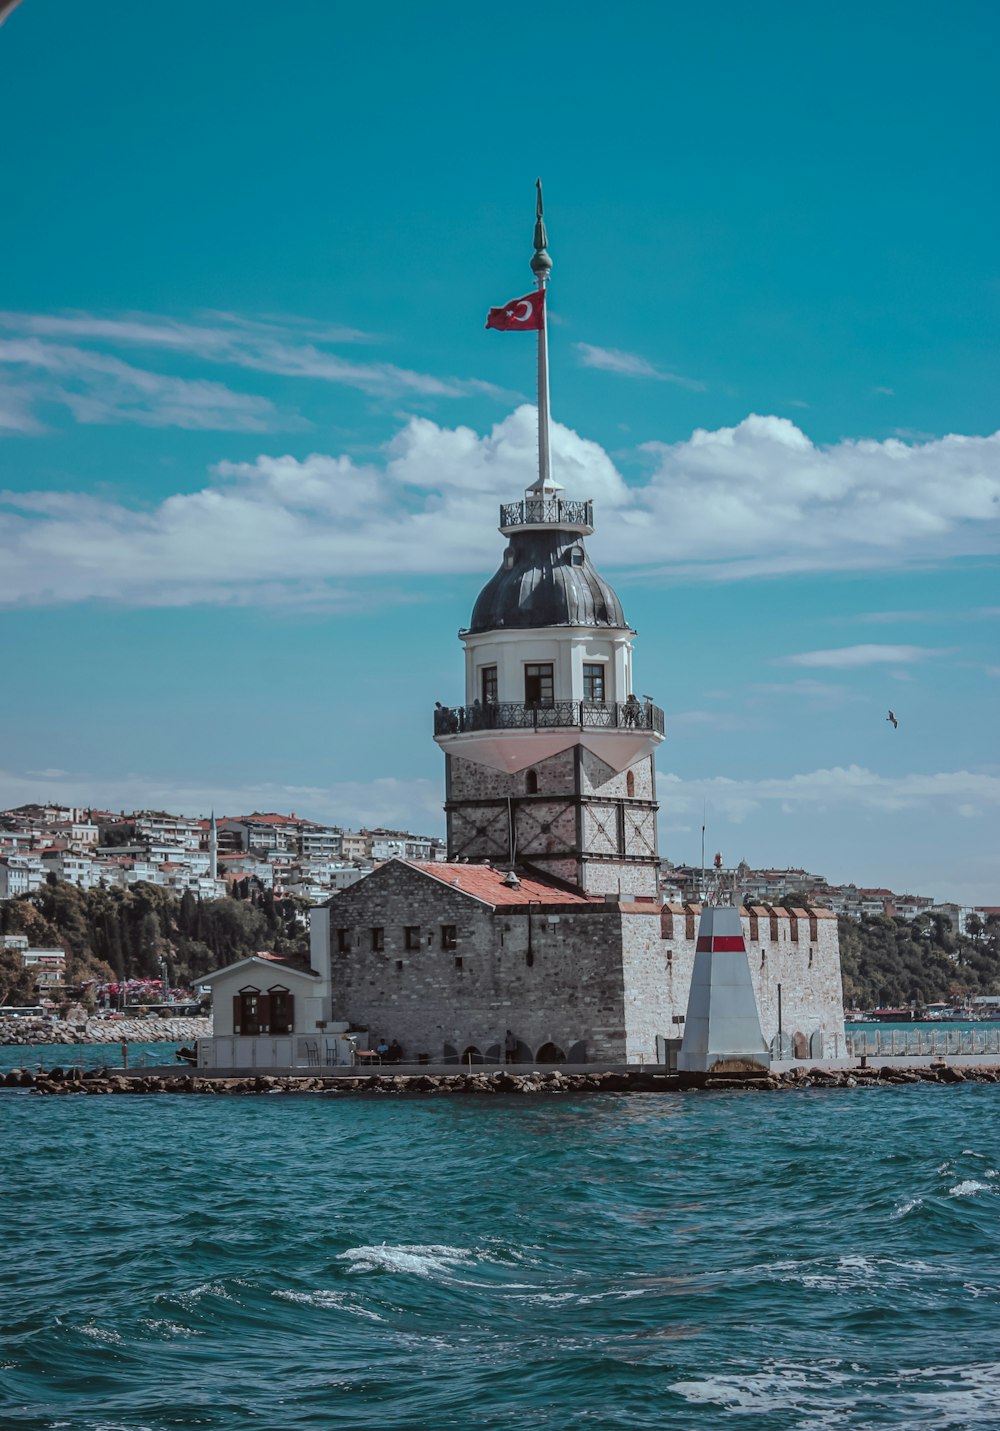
(213, 848)
(550, 758)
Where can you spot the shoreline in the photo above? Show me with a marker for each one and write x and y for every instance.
(29, 1033)
(75, 1081)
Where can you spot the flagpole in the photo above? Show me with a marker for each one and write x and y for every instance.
(541, 267)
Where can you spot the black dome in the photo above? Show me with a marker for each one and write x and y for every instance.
(547, 579)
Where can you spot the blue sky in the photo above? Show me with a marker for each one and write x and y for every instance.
(253, 433)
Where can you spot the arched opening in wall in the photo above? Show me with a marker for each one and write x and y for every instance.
(781, 1047)
(801, 1045)
(449, 1053)
(550, 1053)
(522, 1053)
(531, 783)
(471, 1055)
(577, 1052)
(629, 782)
(816, 1044)
(494, 1054)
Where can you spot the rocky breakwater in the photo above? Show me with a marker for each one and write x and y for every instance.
(14, 1032)
(63, 1081)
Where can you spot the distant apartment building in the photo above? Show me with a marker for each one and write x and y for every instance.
(321, 842)
(71, 868)
(48, 967)
(20, 875)
(356, 845)
(168, 830)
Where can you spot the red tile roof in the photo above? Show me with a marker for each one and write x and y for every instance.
(486, 883)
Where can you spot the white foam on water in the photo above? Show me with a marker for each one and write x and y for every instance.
(170, 1329)
(417, 1259)
(969, 1188)
(102, 1334)
(784, 1389)
(907, 1205)
(328, 1301)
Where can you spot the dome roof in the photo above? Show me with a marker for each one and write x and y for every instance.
(547, 579)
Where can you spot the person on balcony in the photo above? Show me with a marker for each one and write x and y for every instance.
(631, 711)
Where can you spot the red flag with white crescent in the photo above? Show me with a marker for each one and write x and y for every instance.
(525, 314)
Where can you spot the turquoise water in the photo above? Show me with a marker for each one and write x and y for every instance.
(805, 1259)
(86, 1055)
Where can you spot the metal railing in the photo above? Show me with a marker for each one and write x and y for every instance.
(585, 715)
(922, 1042)
(550, 511)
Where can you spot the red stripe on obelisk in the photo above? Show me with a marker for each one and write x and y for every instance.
(721, 944)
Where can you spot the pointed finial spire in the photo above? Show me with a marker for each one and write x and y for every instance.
(541, 264)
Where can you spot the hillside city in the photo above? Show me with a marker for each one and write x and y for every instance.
(292, 856)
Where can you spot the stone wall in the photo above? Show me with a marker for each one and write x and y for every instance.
(787, 948)
(558, 983)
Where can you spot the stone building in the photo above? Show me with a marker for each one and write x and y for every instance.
(447, 958)
(544, 924)
(541, 936)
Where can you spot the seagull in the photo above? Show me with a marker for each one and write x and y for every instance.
(892, 716)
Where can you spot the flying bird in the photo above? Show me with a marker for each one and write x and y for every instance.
(892, 716)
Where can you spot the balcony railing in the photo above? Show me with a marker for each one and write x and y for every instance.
(547, 511)
(556, 715)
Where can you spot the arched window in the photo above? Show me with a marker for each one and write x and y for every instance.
(629, 782)
(531, 783)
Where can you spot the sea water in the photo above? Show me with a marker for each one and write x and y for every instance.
(799, 1259)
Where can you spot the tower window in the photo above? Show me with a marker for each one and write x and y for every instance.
(593, 682)
(629, 783)
(576, 556)
(449, 936)
(538, 685)
(378, 939)
(343, 941)
(489, 685)
(531, 783)
(411, 936)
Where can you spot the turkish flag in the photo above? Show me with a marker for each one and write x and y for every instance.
(525, 314)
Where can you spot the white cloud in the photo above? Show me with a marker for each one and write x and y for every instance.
(871, 655)
(99, 387)
(758, 499)
(630, 365)
(839, 789)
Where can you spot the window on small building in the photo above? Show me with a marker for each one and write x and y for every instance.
(343, 941)
(489, 685)
(411, 936)
(247, 1012)
(399, 966)
(449, 936)
(593, 681)
(378, 939)
(282, 1005)
(531, 783)
(538, 684)
(458, 961)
